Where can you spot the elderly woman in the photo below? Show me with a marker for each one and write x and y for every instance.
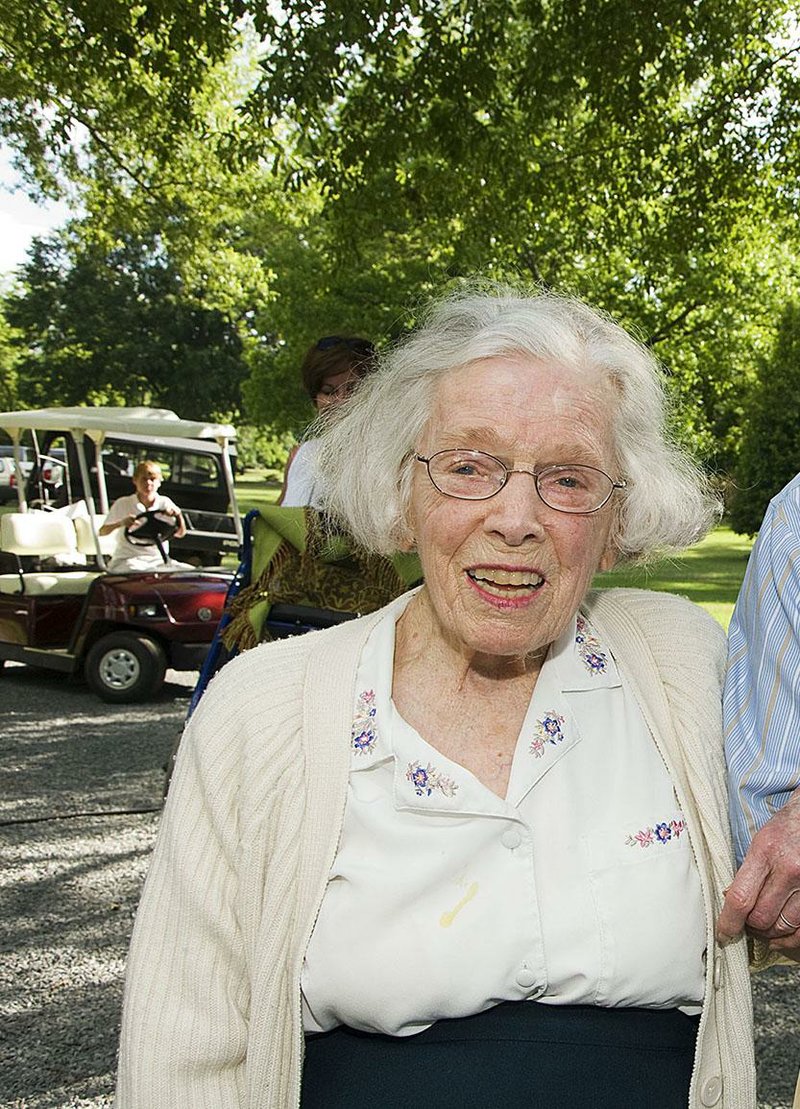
(467, 850)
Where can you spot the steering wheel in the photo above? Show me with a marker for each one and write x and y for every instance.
(152, 528)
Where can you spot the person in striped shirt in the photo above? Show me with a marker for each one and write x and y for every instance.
(762, 734)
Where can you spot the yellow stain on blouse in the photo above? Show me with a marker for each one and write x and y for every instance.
(446, 919)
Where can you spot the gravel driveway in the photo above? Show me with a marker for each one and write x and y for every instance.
(74, 856)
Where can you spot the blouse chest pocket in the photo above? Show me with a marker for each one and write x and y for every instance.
(651, 922)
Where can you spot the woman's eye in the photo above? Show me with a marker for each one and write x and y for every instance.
(566, 481)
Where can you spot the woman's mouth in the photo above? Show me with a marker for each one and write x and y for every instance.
(506, 583)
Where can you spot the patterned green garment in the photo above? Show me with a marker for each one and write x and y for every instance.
(299, 560)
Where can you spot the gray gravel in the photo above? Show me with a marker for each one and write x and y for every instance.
(69, 887)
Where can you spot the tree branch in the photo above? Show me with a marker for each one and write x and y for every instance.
(666, 329)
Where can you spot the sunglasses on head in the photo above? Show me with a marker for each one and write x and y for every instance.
(360, 346)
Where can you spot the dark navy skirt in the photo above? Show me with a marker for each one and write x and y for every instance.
(518, 1054)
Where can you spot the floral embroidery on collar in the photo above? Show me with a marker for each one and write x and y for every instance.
(661, 833)
(425, 779)
(364, 733)
(589, 647)
(548, 730)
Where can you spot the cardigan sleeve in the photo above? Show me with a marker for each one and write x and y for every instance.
(186, 1012)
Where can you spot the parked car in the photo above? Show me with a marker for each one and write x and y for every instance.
(8, 470)
(59, 607)
(52, 467)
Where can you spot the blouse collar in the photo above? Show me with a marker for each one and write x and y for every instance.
(424, 779)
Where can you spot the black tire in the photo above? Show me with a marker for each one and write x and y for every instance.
(125, 667)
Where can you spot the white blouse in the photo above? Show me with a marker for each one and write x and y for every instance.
(444, 899)
(302, 484)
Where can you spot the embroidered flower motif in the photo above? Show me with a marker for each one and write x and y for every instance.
(425, 779)
(364, 733)
(548, 730)
(589, 647)
(662, 833)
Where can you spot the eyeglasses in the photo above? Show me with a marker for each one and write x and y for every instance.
(475, 476)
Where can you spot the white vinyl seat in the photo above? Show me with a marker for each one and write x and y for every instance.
(37, 534)
(43, 535)
(85, 538)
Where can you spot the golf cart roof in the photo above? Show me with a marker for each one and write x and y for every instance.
(97, 422)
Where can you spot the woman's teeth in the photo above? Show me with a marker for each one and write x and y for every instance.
(507, 579)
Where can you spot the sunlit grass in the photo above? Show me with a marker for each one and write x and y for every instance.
(253, 491)
(709, 573)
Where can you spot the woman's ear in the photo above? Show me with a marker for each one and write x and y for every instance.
(608, 559)
(406, 540)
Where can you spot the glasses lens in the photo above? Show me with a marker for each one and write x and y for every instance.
(574, 488)
(470, 475)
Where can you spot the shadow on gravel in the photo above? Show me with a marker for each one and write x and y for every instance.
(59, 1042)
(776, 999)
(68, 895)
(64, 751)
(69, 887)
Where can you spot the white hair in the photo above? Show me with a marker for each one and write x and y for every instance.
(367, 449)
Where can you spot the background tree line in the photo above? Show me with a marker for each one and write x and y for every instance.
(252, 177)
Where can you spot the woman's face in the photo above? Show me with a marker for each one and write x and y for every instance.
(335, 388)
(504, 576)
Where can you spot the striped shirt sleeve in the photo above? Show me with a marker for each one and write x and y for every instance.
(762, 686)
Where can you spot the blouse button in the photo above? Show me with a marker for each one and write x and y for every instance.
(526, 977)
(511, 838)
(711, 1091)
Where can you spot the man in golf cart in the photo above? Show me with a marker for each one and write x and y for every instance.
(143, 521)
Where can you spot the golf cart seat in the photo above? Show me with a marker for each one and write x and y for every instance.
(32, 537)
(85, 537)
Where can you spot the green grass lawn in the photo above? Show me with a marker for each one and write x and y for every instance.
(709, 573)
(253, 491)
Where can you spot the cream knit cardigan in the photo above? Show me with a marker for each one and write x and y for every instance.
(251, 827)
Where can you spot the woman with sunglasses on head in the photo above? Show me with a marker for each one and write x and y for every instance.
(330, 371)
(468, 850)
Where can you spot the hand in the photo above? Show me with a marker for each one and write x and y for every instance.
(768, 884)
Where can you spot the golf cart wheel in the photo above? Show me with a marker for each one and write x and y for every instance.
(125, 667)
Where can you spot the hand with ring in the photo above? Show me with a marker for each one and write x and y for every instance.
(764, 896)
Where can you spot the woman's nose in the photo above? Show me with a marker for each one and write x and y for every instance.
(517, 511)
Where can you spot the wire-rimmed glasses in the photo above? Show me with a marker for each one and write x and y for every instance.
(477, 476)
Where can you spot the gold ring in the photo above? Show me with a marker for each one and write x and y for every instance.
(789, 923)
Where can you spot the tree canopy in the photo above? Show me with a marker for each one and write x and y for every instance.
(770, 449)
(119, 325)
(321, 167)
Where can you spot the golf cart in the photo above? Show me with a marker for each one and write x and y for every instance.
(60, 608)
(193, 476)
